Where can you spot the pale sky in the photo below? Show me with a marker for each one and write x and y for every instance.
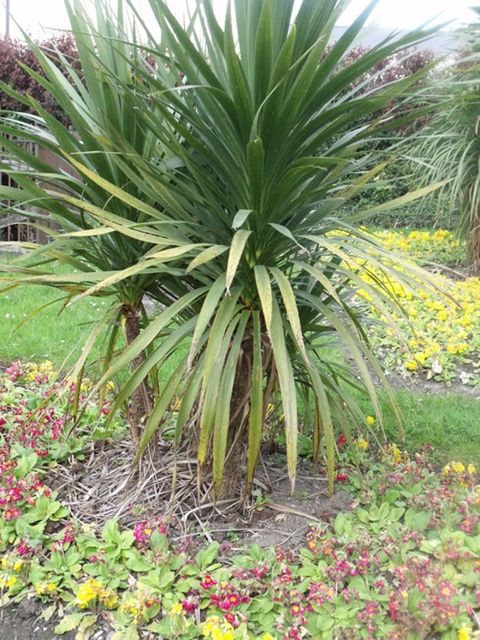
(37, 15)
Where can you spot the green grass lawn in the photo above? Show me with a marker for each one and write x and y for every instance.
(54, 334)
(29, 332)
(447, 421)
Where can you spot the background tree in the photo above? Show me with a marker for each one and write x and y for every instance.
(17, 57)
(80, 103)
(449, 147)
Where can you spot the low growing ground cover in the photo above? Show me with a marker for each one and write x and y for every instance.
(403, 563)
(439, 246)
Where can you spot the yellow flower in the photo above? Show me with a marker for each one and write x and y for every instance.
(395, 453)
(267, 636)
(216, 630)
(371, 420)
(108, 597)
(362, 444)
(411, 365)
(458, 467)
(471, 469)
(176, 610)
(463, 634)
(18, 565)
(51, 586)
(88, 592)
(7, 582)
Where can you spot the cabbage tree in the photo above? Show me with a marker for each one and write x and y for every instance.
(95, 237)
(223, 187)
(265, 126)
(449, 146)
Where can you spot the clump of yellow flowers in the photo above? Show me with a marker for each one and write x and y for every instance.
(427, 245)
(93, 591)
(395, 455)
(463, 634)
(39, 371)
(361, 444)
(12, 566)
(216, 629)
(440, 328)
(458, 469)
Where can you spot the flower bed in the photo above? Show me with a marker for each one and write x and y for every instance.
(441, 333)
(405, 563)
(440, 246)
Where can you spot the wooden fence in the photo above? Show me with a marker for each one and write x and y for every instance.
(15, 227)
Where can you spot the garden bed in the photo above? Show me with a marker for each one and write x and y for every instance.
(291, 566)
(92, 548)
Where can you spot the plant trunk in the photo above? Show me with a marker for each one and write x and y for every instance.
(237, 432)
(140, 402)
(474, 243)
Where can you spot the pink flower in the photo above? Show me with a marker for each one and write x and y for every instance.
(11, 513)
(142, 531)
(232, 619)
(23, 549)
(208, 582)
(189, 606)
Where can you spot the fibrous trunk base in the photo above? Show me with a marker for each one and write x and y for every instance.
(474, 245)
(140, 402)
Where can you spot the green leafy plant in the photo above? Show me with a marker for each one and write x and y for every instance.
(265, 129)
(449, 145)
(212, 171)
(402, 562)
(75, 181)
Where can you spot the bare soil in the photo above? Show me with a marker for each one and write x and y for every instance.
(24, 622)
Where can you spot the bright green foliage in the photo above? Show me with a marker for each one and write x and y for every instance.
(220, 181)
(267, 138)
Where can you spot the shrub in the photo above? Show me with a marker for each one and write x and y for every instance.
(449, 146)
(215, 181)
(17, 57)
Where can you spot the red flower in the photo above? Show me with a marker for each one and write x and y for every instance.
(232, 619)
(23, 549)
(342, 440)
(188, 606)
(208, 582)
(341, 477)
